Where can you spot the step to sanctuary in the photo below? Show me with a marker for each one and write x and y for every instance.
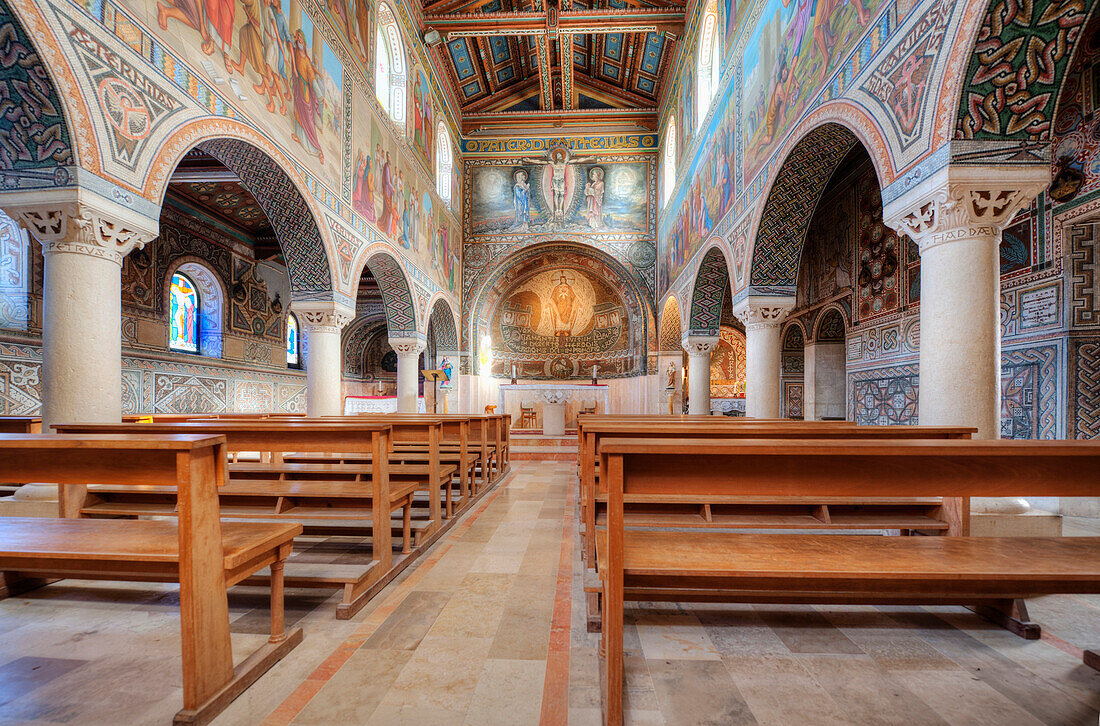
(532, 444)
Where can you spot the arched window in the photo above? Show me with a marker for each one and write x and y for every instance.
(293, 342)
(668, 169)
(709, 63)
(183, 315)
(389, 66)
(444, 163)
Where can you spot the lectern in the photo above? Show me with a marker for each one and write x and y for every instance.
(435, 376)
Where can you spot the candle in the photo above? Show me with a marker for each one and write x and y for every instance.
(513, 370)
(593, 371)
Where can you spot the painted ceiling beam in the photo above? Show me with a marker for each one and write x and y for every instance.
(580, 119)
(565, 56)
(640, 20)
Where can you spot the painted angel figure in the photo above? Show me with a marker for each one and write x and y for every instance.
(558, 160)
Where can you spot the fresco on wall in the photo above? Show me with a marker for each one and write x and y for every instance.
(706, 200)
(421, 117)
(558, 324)
(351, 18)
(560, 192)
(273, 59)
(787, 57)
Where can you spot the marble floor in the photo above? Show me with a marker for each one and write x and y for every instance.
(488, 628)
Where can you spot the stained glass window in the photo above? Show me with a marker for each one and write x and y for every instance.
(709, 63)
(389, 66)
(292, 342)
(183, 315)
(443, 164)
(668, 171)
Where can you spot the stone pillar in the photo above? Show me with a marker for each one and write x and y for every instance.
(762, 317)
(408, 371)
(699, 349)
(824, 388)
(83, 244)
(322, 323)
(956, 217)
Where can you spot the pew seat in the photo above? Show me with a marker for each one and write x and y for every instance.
(141, 549)
(672, 566)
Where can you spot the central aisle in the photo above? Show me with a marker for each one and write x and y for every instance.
(465, 638)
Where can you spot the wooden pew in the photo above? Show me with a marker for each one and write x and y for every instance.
(322, 507)
(17, 425)
(20, 425)
(203, 554)
(990, 572)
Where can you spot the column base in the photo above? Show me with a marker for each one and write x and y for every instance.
(1031, 524)
(32, 500)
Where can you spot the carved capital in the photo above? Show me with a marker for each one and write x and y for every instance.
(964, 203)
(322, 317)
(699, 345)
(408, 347)
(763, 312)
(80, 228)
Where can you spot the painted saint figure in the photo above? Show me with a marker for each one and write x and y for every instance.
(558, 161)
(306, 89)
(521, 201)
(563, 308)
(593, 197)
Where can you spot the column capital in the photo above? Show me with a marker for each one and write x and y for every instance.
(964, 202)
(763, 311)
(87, 226)
(699, 344)
(323, 317)
(408, 347)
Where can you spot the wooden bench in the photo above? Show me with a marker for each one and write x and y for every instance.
(992, 573)
(321, 507)
(204, 555)
(17, 425)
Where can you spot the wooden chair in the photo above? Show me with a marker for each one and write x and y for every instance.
(200, 552)
(992, 574)
(528, 415)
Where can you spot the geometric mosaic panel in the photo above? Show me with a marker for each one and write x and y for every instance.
(400, 310)
(885, 396)
(1029, 399)
(1085, 394)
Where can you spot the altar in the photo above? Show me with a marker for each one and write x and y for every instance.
(375, 404)
(556, 403)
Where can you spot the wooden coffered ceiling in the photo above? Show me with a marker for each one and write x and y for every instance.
(505, 59)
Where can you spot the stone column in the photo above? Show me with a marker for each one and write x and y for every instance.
(83, 244)
(699, 349)
(408, 371)
(762, 317)
(322, 323)
(956, 217)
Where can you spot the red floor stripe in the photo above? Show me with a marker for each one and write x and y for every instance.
(1062, 645)
(300, 697)
(555, 689)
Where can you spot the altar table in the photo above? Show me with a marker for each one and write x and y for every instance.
(376, 404)
(553, 397)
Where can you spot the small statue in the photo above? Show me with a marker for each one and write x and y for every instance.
(671, 372)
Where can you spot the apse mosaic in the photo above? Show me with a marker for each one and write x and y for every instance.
(558, 324)
(561, 192)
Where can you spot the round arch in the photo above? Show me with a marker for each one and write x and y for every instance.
(793, 336)
(397, 297)
(810, 156)
(270, 176)
(975, 77)
(520, 263)
(672, 326)
(712, 280)
(831, 325)
(442, 322)
(59, 103)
